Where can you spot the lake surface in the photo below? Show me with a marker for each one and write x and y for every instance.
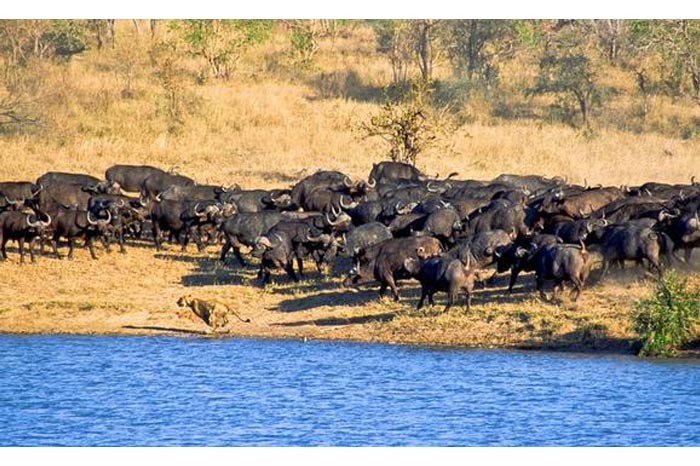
(137, 391)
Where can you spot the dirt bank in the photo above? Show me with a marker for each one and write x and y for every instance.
(136, 294)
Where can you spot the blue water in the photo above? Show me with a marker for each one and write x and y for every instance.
(98, 390)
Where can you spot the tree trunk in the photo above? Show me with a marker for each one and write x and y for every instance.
(583, 105)
(110, 29)
(153, 25)
(424, 46)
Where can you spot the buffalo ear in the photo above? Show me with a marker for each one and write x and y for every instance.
(489, 251)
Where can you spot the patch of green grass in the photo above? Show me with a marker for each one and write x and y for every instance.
(668, 319)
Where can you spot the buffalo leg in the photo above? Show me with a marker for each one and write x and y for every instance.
(20, 241)
(156, 236)
(300, 265)
(2, 247)
(265, 275)
(606, 266)
(224, 249)
(197, 239)
(392, 285)
(578, 286)
(32, 243)
(71, 246)
(539, 284)
(688, 252)
(513, 278)
(54, 245)
(289, 268)
(451, 296)
(423, 294)
(122, 249)
(91, 247)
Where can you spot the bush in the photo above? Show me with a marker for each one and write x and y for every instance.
(667, 320)
(409, 126)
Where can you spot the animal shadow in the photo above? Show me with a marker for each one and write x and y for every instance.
(332, 299)
(338, 321)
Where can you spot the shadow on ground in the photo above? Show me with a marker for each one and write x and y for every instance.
(338, 321)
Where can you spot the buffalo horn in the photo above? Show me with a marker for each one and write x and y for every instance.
(330, 222)
(343, 204)
(90, 220)
(316, 239)
(12, 201)
(197, 212)
(34, 224)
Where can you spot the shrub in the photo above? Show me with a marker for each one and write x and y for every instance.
(410, 125)
(666, 321)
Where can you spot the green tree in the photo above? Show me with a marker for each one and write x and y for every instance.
(475, 45)
(409, 126)
(569, 76)
(394, 39)
(304, 39)
(221, 42)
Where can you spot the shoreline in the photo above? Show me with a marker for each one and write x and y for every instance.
(136, 294)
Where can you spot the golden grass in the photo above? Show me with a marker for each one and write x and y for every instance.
(261, 129)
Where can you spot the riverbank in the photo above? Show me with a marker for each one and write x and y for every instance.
(136, 294)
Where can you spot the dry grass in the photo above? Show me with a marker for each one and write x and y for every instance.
(268, 127)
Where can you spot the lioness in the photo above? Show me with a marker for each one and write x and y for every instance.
(213, 313)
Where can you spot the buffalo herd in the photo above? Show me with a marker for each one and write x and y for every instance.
(397, 224)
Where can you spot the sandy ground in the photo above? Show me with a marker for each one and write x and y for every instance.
(136, 293)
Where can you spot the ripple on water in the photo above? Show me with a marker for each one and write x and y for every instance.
(86, 390)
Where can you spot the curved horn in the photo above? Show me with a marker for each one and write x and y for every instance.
(34, 224)
(692, 180)
(334, 212)
(348, 182)
(159, 197)
(197, 211)
(371, 182)
(343, 205)
(41, 188)
(316, 239)
(12, 201)
(107, 220)
(90, 220)
(48, 222)
(143, 201)
(431, 189)
(330, 222)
